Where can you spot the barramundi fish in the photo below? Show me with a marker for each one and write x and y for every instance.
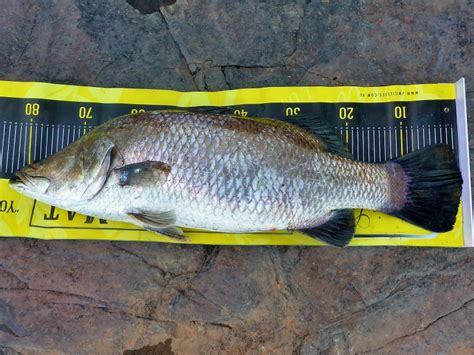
(162, 170)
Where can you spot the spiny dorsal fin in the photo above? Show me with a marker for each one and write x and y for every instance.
(222, 110)
(337, 231)
(320, 128)
(316, 126)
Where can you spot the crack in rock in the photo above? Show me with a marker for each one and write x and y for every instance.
(276, 66)
(162, 272)
(23, 283)
(8, 330)
(307, 70)
(224, 75)
(421, 329)
(215, 324)
(28, 40)
(296, 35)
(192, 68)
(112, 310)
(59, 293)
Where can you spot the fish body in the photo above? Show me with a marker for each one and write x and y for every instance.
(233, 174)
(216, 172)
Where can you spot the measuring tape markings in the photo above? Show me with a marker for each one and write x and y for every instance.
(365, 138)
(346, 113)
(3, 140)
(22, 138)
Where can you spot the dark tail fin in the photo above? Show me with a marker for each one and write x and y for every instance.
(433, 188)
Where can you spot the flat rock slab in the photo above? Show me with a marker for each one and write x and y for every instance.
(144, 298)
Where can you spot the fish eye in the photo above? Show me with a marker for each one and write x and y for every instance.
(34, 164)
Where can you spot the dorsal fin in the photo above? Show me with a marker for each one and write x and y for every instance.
(221, 110)
(318, 127)
(321, 128)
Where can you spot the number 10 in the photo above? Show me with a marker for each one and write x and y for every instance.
(400, 112)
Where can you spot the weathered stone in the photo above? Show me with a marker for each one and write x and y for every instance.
(110, 297)
(67, 42)
(377, 43)
(245, 33)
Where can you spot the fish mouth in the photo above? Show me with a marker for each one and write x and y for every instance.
(18, 179)
(24, 181)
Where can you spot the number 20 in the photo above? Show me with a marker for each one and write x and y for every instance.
(346, 113)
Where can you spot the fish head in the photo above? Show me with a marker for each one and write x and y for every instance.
(74, 174)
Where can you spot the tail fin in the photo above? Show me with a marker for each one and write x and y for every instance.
(433, 188)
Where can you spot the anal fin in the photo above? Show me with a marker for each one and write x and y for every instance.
(160, 222)
(173, 232)
(337, 231)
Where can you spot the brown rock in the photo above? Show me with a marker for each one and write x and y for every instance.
(140, 298)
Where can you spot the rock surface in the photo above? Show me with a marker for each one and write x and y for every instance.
(144, 298)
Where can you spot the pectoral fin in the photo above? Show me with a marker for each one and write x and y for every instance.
(142, 173)
(161, 222)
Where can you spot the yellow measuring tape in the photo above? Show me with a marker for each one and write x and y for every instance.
(23, 217)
